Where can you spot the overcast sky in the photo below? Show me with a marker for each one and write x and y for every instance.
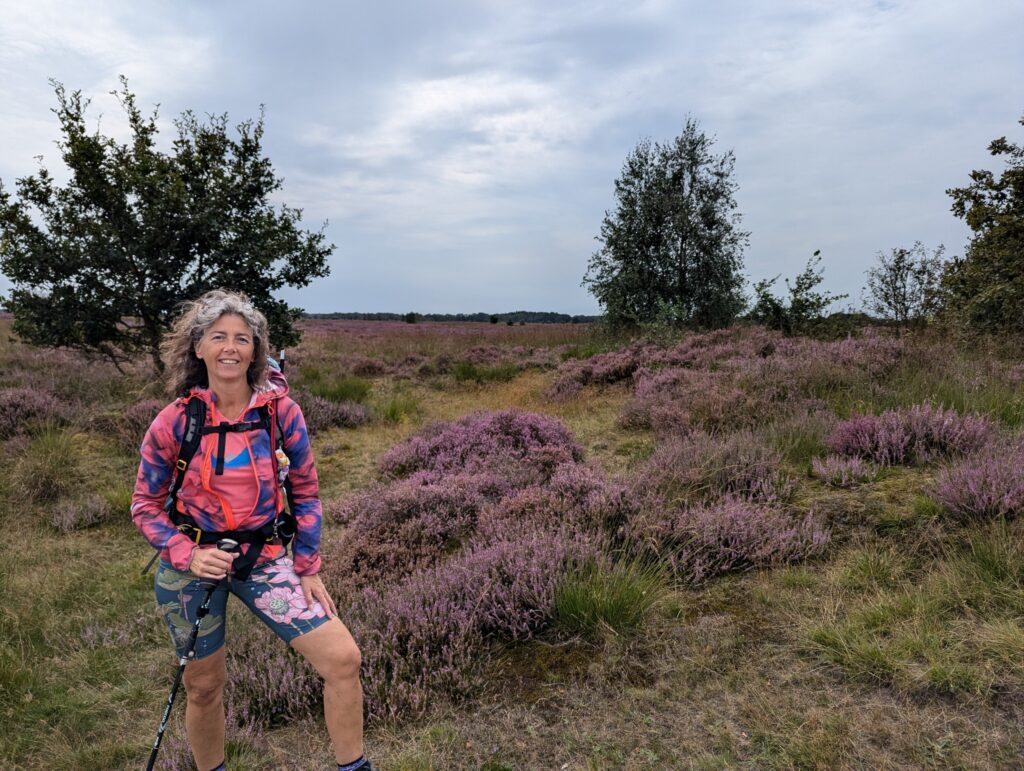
(464, 153)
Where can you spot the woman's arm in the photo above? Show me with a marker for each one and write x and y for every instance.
(305, 488)
(152, 483)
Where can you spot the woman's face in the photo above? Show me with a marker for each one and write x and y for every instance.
(227, 348)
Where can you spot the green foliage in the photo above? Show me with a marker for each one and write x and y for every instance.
(342, 389)
(671, 251)
(410, 317)
(333, 388)
(904, 285)
(48, 468)
(985, 289)
(615, 598)
(806, 305)
(398, 409)
(102, 263)
(933, 632)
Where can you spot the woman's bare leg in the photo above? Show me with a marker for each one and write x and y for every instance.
(335, 655)
(204, 709)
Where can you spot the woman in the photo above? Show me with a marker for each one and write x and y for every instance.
(217, 352)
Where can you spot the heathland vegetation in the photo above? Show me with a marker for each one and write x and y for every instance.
(562, 549)
(635, 545)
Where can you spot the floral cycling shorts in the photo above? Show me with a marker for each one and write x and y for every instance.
(272, 592)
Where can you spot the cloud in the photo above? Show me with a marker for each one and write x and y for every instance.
(468, 149)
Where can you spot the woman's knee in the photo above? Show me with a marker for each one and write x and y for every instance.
(204, 681)
(344, 662)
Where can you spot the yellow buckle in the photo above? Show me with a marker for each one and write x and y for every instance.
(181, 464)
(185, 528)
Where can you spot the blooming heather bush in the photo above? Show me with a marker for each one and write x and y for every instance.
(730, 534)
(702, 467)
(321, 414)
(27, 410)
(247, 748)
(578, 496)
(71, 515)
(396, 529)
(268, 683)
(429, 635)
(484, 440)
(128, 426)
(446, 476)
(366, 367)
(603, 368)
(678, 399)
(986, 485)
(838, 471)
(920, 434)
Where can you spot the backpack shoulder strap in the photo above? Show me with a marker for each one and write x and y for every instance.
(195, 417)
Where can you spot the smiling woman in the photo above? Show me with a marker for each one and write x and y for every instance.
(250, 445)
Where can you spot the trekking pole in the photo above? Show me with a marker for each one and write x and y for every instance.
(225, 544)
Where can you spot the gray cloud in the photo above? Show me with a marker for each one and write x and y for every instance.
(464, 153)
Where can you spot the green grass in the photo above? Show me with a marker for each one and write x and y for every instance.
(467, 372)
(399, 408)
(48, 469)
(614, 599)
(900, 648)
(930, 625)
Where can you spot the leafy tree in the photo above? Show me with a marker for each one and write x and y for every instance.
(102, 263)
(806, 304)
(904, 285)
(985, 288)
(672, 250)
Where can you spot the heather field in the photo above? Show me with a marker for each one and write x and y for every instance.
(559, 549)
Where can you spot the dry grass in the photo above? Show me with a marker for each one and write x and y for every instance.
(727, 676)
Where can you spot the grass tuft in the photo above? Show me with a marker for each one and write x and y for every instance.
(614, 599)
(48, 469)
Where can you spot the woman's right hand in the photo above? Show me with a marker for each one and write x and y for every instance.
(210, 563)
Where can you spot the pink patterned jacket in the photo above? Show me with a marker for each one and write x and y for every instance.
(245, 496)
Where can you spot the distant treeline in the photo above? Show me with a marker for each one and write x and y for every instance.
(515, 317)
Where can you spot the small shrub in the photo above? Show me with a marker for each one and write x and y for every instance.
(321, 414)
(920, 434)
(76, 515)
(731, 534)
(364, 367)
(128, 426)
(48, 469)
(268, 683)
(432, 634)
(398, 409)
(466, 371)
(702, 467)
(28, 411)
(678, 399)
(838, 471)
(615, 598)
(483, 440)
(987, 485)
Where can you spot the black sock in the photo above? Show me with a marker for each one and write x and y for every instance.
(221, 767)
(355, 764)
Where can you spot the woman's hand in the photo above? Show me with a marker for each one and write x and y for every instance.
(315, 591)
(210, 563)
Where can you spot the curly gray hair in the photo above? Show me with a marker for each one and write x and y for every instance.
(178, 349)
